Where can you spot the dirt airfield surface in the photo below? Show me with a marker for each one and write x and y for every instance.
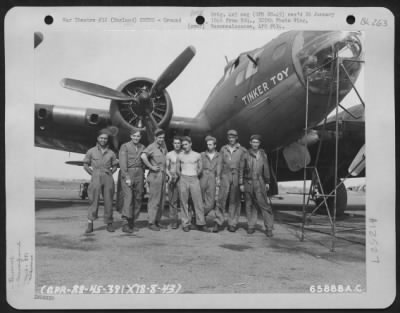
(197, 262)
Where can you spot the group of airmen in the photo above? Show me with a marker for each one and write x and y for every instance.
(198, 183)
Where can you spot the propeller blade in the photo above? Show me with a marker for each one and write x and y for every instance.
(173, 70)
(94, 89)
(151, 126)
(114, 136)
(358, 163)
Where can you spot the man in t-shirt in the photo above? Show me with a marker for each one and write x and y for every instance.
(154, 157)
(173, 183)
(189, 168)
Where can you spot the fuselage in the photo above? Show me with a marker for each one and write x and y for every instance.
(264, 91)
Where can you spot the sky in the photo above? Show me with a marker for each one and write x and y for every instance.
(110, 57)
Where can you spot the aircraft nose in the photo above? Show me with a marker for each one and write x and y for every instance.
(316, 56)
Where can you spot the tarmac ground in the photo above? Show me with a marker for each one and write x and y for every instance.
(198, 262)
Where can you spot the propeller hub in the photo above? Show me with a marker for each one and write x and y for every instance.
(145, 105)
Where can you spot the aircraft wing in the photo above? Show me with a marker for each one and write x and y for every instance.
(68, 129)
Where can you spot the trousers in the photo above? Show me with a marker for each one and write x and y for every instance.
(133, 195)
(190, 186)
(155, 204)
(101, 183)
(208, 191)
(229, 189)
(256, 198)
(173, 197)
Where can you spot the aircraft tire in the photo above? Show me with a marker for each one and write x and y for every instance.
(341, 201)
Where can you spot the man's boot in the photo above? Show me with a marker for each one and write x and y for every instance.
(192, 225)
(203, 228)
(161, 226)
(250, 230)
(269, 233)
(110, 228)
(154, 227)
(128, 227)
(215, 228)
(232, 229)
(89, 228)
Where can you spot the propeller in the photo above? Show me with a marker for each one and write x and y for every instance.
(139, 102)
(173, 70)
(94, 89)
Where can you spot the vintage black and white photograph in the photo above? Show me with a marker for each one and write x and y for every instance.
(199, 162)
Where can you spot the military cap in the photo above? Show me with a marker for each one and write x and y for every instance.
(159, 132)
(104, 131)
(134, 131)
(255, 137)
(208, 138)
(232, 132)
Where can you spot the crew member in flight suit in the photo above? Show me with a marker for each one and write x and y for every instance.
(100, 163)
(173, 181)
(231, 161)
(132, 179)
(254, 182)
(154, 157)
(209, 180)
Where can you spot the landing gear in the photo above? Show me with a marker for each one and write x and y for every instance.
(83, 190)
(341, 199)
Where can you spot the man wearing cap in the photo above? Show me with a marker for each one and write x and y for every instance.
(132, 179)
(173, 182)
(254, 182)
(188, 168)
(209, 180)
(154, 157)
(231, 161)
(100, 163)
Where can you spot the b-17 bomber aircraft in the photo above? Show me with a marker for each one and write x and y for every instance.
(266, 91)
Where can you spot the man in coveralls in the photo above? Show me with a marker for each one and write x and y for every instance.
(188, 168)
(254, 181)
(154, 157)
(101, 163)
(173, 182)
(209, 180)
(132, 180)
(231, 161)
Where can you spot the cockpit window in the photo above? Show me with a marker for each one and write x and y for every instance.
(315, 54)
(239, 78)
(231, 67)
(251, 67)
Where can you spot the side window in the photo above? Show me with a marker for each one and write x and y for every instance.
(252, 68)
(239, 78)
(227, 73)
(232, 67)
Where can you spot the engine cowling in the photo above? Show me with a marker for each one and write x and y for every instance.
(130, 115)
